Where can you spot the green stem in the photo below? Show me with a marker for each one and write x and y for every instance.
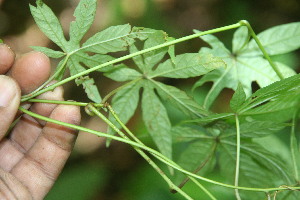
(294, 147)
(238, 149)
(266, 55)
(27, 96)
(118, 89)
(74, 103)
(147, 158)
(140, 142)
(51, 87)
(152, 151)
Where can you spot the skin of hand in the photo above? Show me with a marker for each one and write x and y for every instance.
(33, 154)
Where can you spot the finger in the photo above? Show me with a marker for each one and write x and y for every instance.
(30, 71)
(44, 161)
(11, 188)
(7, 58)
(27, 130)
(9, 102)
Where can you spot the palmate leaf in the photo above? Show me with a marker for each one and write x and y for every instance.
(196, 156)
(49, 52)
(187, 65)
(258, 167)
(276, 101)
(156, 120)
(87, 82)
(49, 24)
(112, 39)
(180, 66)
(84, 14)
(276, 40)
(240, 68)
(238, 98)
(179, 99)
(124, 103)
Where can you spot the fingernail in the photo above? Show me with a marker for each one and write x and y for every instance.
(7, 91)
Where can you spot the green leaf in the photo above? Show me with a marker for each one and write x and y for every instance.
(49, 52)
(1, 41)
(240, 39)
(197, 156)
(276, 40)
(238, 98)
(124, 104)
(138, 60)
(210, 118)
(186, 134)
(95, 60)
(260, 128)
(269, 163)
(280, 95)
(279, 109)
(295, 154)
(49, 24)
(156, 120)
(258, 167)
(87, 82)
(171, 50)
(179, 99)
(62, 67)
(123, 73)
(153, 57)
(112, 39)
(240, 69)
(142, 33)
(85, 14)
(188, 65)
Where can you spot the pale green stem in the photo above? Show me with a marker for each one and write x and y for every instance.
(51, 87)
(294, 147)
(49, 80)
(238, 149)
(147, 158)
(140, 142)
(266, 55)
(74, 103)
(152, 151)
(118, 89)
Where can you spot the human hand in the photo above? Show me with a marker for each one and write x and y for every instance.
(34, 152)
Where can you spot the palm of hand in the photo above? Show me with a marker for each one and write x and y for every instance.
(34, 152)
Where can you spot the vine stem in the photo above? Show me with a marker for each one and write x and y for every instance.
(266, 55)
(189, 37)
(294, 147)
(238, 150)
(60, 69)
(145, 156)
(159, 155)
(140, 142)
(119, 88)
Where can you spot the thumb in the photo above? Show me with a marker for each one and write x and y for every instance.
(10, 95)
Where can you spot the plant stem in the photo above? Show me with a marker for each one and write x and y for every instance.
(238, 149)
(294, 147)
(119, 88)
(140, 142)
(266, 55)
(51, 87)
(49, 80)
(74, 103)
(147, 158)
(152, 151)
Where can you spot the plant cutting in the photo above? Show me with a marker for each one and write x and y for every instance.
(232, 142)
